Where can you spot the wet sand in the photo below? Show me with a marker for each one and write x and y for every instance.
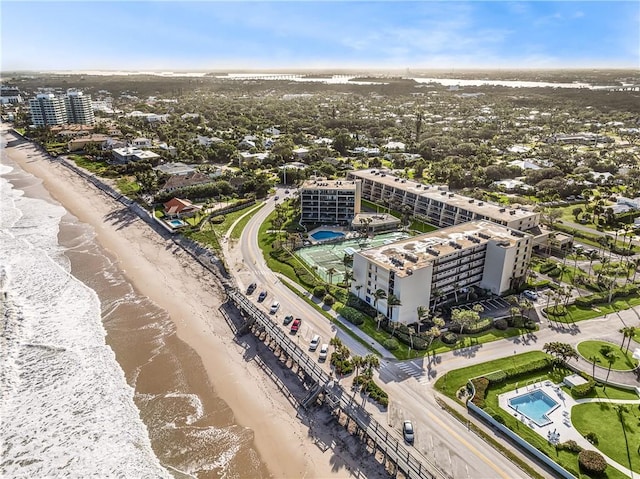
(177, 350)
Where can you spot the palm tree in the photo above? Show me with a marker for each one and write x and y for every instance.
(330, 272)
(610, 358)
(358, 362)
(392, 302)
(371, 362)
(358, 288)
(423, 313)
(627, 332)
(594, 359)
(378, 295)
(433, 333)
(379, 318)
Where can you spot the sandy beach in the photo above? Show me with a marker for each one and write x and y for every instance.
(213, 366)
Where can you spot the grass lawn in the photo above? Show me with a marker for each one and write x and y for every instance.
(454, 380)
(451, 382)
(97, 167)
(623, 362)
(128, 186)
(618, 436)
(575, 313)
(237, 231)
(210, 233)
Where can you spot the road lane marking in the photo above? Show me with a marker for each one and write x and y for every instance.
(469, 446)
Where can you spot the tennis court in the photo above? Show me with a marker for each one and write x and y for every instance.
(323, 257)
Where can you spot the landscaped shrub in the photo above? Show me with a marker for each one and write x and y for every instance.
(328, 300)
(390, 344)
(554, 273)
(582, 390)
(547, 266)
(530, 325)
(592, 462)
(533, 366)
(498, 418)
(496, 377)
(449, 337)
(480, 385)
(319, 291)
(342, 366)
(501, 324)
(352, 315)
(355, 302)
(592, 437)
(479, 327)
(570, 445)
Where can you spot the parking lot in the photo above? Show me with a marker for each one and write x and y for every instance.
(494, 306)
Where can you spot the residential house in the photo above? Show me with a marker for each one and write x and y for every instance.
(77, 144)
(176, 168)
(272, 131)
(127, 154)
(141, 143)
(395, 146)
(300, 153)
(179, 207)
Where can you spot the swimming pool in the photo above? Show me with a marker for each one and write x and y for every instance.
(535, 405)
(326, 234)
(177, 223)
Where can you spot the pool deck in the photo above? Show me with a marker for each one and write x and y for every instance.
(560, 428)
(348, 234)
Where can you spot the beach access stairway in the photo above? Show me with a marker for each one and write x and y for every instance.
(408, 460)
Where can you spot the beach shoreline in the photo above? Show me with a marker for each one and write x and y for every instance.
(189, 294)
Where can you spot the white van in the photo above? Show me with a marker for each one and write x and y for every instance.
(275, 306)
(315, 342)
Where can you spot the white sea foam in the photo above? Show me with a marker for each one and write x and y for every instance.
(66, 407)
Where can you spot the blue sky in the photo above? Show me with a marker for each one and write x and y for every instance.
(205, 35)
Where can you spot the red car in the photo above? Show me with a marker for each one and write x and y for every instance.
(295, 325)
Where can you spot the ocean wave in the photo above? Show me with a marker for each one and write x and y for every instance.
(66, 407)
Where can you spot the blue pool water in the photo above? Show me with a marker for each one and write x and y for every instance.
(535, 405)
(325, 235)
(177, 223)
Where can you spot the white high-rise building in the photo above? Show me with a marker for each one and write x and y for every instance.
(47, 109)
(426, 269)
(79, 108)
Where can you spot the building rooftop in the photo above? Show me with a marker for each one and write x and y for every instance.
(441, 193)
(407, 255)
(324, 184)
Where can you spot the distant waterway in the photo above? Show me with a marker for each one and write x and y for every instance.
(344, 79)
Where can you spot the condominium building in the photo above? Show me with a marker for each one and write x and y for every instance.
(329, 201)
(79, 108)
(427, 269)
(47, 109)
(436, 205)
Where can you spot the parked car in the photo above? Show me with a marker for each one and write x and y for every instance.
(532, 295)
(287, 319)
(324, 350)
(407, 431)
(261, 296)
(275, 306)
(295, 325)
(251, 288)
(315, 342)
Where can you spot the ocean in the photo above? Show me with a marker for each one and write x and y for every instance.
(93, 379)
